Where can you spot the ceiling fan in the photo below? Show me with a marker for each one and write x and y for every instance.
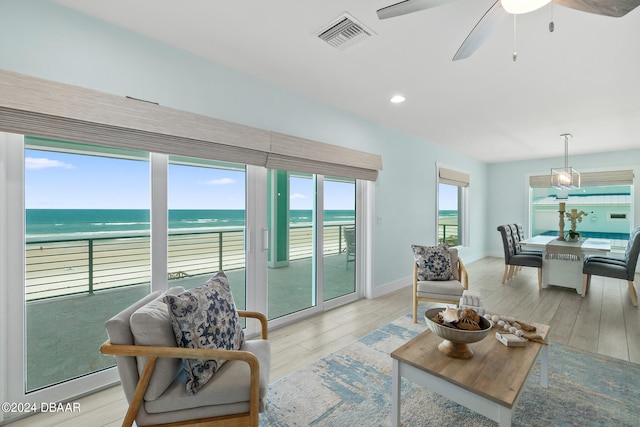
(502, 9)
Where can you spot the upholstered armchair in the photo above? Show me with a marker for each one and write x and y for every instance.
(156, 379)
(438, 276)
(514, 256)
(616, 268)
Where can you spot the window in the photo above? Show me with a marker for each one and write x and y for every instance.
(452, 215)
(605, 196)
(97, 228)
(87, 253)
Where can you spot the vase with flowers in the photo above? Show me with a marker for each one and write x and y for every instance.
(574, 216)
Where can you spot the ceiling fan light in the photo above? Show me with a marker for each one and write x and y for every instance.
(516, 7)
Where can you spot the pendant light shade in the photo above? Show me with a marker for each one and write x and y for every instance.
(566, 178)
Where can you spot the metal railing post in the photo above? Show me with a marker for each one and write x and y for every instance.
(220, 250)
(90, 266)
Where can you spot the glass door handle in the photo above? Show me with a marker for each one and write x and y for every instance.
(265, 239)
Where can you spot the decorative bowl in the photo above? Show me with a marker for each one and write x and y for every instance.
(456, 340)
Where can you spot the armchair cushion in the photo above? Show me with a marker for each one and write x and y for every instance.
(230, 385)
(434, 263)
(441, 289)
(151, 325)
(205, 317)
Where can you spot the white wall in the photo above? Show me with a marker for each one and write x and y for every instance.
(508, 197)
(42, 39)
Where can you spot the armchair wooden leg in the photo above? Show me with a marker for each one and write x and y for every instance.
(139, 392)
(632, 293)
(415, 308)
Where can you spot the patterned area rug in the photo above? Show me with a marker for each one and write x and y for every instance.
(352, 387)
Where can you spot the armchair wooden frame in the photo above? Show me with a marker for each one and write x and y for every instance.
(463, 277)
(152, 353)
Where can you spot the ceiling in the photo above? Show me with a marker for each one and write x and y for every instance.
(582, 78)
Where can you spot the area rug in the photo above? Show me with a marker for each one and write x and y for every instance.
(352, 387)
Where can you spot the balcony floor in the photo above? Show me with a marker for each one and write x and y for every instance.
(64, 333)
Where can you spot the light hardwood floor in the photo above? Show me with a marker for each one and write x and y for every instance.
(604, 322)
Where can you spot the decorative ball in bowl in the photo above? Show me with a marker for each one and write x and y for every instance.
(456, 339)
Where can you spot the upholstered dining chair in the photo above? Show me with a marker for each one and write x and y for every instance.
(438, 276)
(515, 257)
(617, 268)
(154, 371)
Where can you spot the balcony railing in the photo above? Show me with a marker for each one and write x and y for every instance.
(64, 267)
(448, 233)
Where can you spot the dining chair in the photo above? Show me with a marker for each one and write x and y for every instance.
(617, 268)
(514, 256)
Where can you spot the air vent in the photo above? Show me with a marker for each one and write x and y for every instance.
(344, 32)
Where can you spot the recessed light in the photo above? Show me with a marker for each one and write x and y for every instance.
(397, 99)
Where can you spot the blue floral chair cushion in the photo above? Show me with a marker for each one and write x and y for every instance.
(434, 262)
(205, 317)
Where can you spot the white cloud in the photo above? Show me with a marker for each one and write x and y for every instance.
(298, 196)
(42, 163)
(221, 181)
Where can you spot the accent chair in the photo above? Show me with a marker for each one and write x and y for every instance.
(438, 276)
(154, 375)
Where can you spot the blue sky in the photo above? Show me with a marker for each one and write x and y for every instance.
(71, 181)
(448, 197)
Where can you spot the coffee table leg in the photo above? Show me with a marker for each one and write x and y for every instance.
(395, 394)
(505, 417)
(544, 366)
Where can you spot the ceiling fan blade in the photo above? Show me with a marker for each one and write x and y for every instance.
(615, 8)
(408, 6)
(483, 29)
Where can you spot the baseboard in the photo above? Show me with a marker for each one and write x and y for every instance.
(387, 288)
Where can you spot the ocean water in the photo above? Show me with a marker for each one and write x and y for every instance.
(448, 217)
(57, 223)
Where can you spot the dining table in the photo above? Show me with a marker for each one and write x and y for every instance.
(562, 260)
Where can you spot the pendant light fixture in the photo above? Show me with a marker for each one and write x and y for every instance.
(566, 178)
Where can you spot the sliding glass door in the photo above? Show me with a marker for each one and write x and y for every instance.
(291, 282)
(339, 237)
(206, 223)
(313, 242)
(87, 254)
(98, 228)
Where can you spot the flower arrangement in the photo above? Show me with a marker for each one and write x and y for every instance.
(574, 216)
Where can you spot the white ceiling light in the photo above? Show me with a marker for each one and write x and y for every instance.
(397, 99)
(516, 7)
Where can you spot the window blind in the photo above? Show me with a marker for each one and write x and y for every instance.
(589, 179)
(303, 155)
(453, 177)
(38, 107)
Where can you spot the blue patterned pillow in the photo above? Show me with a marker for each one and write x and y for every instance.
(205, 317)
(434, 262)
